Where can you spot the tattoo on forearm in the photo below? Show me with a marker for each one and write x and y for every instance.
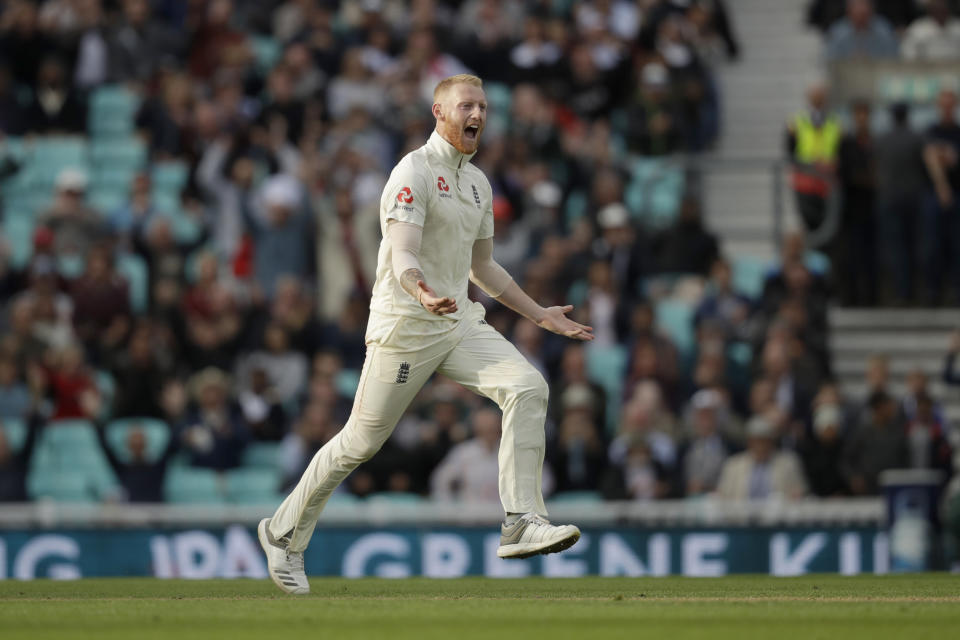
(409, 279)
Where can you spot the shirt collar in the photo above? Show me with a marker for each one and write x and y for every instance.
(447, 153)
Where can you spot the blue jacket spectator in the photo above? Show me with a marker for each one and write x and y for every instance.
(861, 34)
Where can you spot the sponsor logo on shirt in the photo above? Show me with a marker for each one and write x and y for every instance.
(403, 373)
(405, 195)
(443, 188)
(476, 195)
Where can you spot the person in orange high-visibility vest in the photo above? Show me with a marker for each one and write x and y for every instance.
(813, 143)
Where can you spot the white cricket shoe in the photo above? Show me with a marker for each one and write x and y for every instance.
(285, 567)
(533, 534)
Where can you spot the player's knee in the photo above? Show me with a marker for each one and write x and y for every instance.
(533, 386)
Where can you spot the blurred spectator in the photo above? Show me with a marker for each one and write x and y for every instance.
(140, 475)
(862, 34)
(813, 142)
(15, 465)
(638, 476)
(56, 106)
(654, 127)
(213, 433)
(282, 234)
(935, 36)
(261, 407)
(824, 13)
(927, 440)
(69, 378)
(626, 249)
(140, 371)
(901, 181)
(687, 246)
(950, 374)
(876, 444)
(822, 452)
(75, 226)
(706, 449)
(857, 239)
(469, 472)
(101, 311)
(312, 430)
(572, 377)
(579, 455)
(762, 471)
(92, 63)
(14, 393)
(941, 211)
(286, 370)
(138, 44)
(23, 43)
(723, 306)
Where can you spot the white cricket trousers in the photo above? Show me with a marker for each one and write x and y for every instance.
(473, 354)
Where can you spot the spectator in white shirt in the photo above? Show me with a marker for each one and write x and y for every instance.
(469, 471)
(935, 36)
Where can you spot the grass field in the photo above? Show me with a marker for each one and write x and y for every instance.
(826, 607)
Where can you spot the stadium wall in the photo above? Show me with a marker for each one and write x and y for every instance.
(233, 552)
(706, 538)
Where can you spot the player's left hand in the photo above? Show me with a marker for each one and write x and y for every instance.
(555, 320)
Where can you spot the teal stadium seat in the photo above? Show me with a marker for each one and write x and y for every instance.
(347, 381)
(69, 465)
(63, 486)
(749, 275)
(108, 198)
(262, 455)
(124, 154)
(607, 366)
(18, 231)
(107, 387)
(156, 432)
(675, 318)
(266, 51)
(134, 269)
(170, 176)
(253, 486)
(191, 485)
(15, 431)
(113, 110)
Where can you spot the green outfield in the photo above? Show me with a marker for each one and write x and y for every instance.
(914, 607)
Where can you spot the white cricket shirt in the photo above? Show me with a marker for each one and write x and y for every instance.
(436, 188)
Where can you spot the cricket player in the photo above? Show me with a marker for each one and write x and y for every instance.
(436, 216)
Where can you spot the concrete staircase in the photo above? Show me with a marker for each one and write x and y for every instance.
(910, 338)
(780, 56)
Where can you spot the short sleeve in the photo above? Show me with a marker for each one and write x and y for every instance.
(405, 196)
(486, 224)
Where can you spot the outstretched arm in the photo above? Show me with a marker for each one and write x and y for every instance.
(405, 240)
(497, 283)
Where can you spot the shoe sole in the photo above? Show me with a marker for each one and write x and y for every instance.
(265, 544)
(520, 552)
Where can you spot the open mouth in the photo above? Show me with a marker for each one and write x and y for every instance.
(471, 132)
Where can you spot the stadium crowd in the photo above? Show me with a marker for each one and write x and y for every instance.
(233, 313)
(890, 161)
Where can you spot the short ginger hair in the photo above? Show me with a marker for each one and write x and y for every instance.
(461, 78)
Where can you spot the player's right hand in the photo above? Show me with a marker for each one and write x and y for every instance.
(433, 303)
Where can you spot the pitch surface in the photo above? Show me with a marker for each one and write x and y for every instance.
(812, 607)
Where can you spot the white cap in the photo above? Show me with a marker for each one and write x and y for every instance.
(613, 215)
(706, 399)
(281, 191)
(760, 427)
(71, 179)
(655, 74)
